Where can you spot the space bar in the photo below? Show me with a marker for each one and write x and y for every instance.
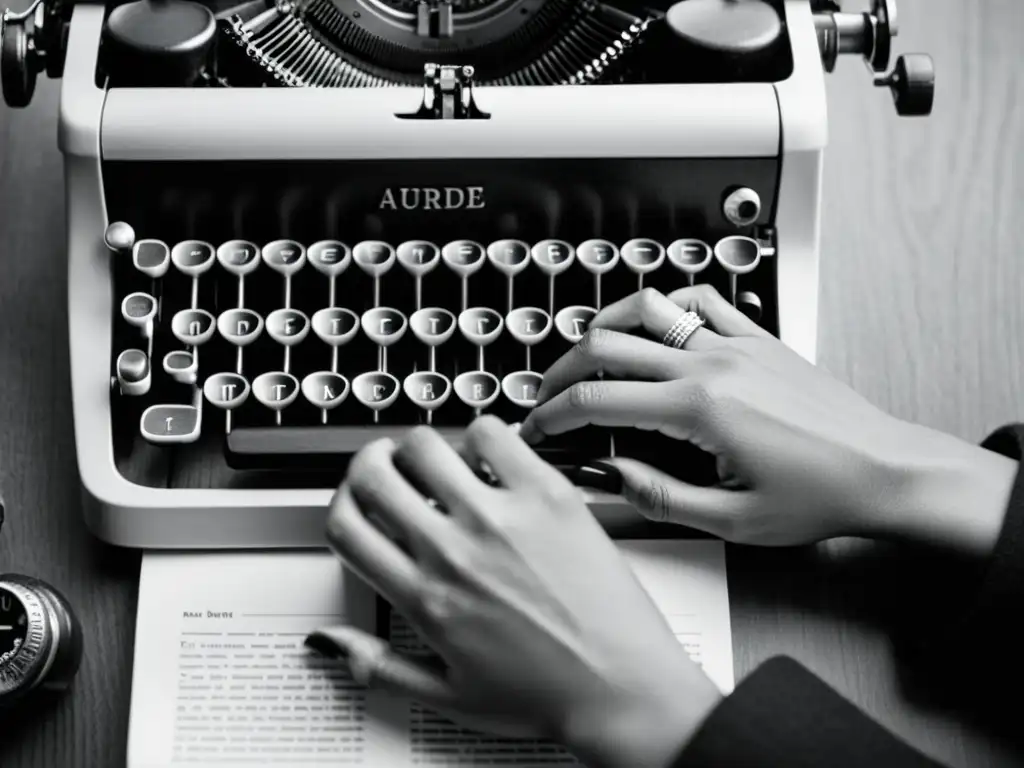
(298, 448)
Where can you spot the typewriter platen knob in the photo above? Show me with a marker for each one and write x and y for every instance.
(912, 82)
(158, 42)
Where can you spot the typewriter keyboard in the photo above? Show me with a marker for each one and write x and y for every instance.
(295, 354)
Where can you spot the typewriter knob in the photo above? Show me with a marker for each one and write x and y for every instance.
(912, 82)
(725, 26)
(158, 42)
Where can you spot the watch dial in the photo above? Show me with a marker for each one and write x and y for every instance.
(13, 625)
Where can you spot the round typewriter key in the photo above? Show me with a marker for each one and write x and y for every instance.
(509, 256)
(384, 325)
(464, 257)
(521, 388)
(643, 255)
(572, 322)
(139, 309)
(287, 326)
(553, 256)
(275, 389)
(133, 372)
(226, 390)
(374, 257)
(418, 257)
(427, 389)
(119, 236)
(432, 325)
(181, 366)
(598, 256)
(690, 256)
(335, 326)
(375, 389)
(193, 326)
(477, 389)
(240, 327)
(151, 257)
(528, 325)
(239, 257)
(480, 325)
(192, 257)
(284, 256)
(325, 389)
(738, 254)
(329, 257)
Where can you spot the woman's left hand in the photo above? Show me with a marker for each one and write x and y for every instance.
(542, 626)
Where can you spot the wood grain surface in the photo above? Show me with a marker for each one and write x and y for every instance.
(922, 311)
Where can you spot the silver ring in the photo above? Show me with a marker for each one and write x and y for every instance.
(681, 329)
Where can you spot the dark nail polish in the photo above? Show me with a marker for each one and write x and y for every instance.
(599, 475)
(323, 644)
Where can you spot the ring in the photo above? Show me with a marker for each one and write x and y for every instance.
(686, 324)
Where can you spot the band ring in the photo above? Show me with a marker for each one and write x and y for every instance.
(681, 329)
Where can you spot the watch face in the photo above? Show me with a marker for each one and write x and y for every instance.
(13, 625)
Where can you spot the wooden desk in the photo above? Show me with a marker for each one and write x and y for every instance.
(921, 311)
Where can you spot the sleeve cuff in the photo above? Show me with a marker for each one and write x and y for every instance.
(783, 716)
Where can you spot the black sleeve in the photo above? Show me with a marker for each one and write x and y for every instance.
(783, 715)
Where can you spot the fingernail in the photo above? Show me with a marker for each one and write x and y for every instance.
(529, 433)
(321, 642)
(599, 475)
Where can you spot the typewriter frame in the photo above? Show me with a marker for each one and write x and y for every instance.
(786, 119)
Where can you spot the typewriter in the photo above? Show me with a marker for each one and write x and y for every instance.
(295, 226)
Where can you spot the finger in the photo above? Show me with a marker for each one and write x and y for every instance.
(372, 662)
(382, 491)
(640, 404)
(722, 316)
(619, 354)
(655, 313)
(492, 443)
(370, 553)
(437, 469)
(664, 499)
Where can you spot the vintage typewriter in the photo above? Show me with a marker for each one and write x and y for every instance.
(296, 225)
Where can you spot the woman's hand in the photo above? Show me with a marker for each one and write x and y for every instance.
(542, 626)
(800, 456)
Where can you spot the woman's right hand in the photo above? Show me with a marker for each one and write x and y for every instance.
(801, 457)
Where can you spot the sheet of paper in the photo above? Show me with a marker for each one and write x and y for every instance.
(221, 676)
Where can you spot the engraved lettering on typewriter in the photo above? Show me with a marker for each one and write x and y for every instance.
(6, 603)
(278, 390)
(427, 392)
(478, 392)
(335, 322)
(384, 326)
(227, 392)
(194, 328)
(168, 420)
(328, 393)
(288, 329)
(242, 327)
(330, 255)
(579, 326)
(433, 199)
(378, 391)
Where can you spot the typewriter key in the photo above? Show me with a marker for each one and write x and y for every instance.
(521, 388)
(193, 327)
(738, 255)
(286, 257)
(151, 258)
(329, 257)
(510, 257)
(335, 326)
(598, 257)
(287, 327)
(528, 326)
(192, 257)
(480, 326)
(325, 390)
(133, 372)
(239, 257)
(139, 309)
(690, 256)
(418, 257)
(240, 327)
(643, 255)
(376, 390)
(477, 389)
(572, 322)
(171, 424)
(181, 366)
(428, 390)
(276, 390)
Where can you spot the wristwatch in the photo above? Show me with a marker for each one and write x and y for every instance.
(40, 638)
